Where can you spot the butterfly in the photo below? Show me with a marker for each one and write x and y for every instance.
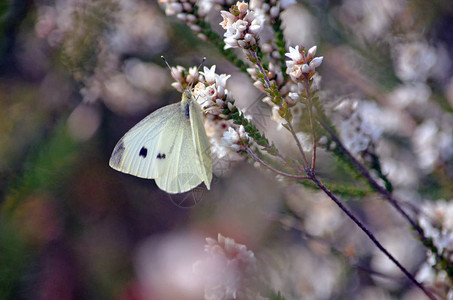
(170, 145)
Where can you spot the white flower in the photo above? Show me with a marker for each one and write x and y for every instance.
(230, 43)
(209, 74)
(274, 11)
(228, 19)
(242, 133)
(230, 138)
(221, 80)
(294, 54)
(293, 96)
(305, 68)
(210, 92)
(240, 26)
(296, 71)
(242, 7)
(193, 74)
(173, 8)
(311, 52)
(316, 62)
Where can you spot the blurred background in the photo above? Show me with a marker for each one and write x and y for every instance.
(76, 75)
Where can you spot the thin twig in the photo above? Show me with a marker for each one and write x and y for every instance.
(250, 152)
(301, 150)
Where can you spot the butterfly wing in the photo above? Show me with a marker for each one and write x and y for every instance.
(201, 143)
(161, 147)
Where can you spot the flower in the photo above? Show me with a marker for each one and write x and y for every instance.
(227, 269)
(294, 55)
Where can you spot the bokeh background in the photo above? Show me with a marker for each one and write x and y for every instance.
(76, 75)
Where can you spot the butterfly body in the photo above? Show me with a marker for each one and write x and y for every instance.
(169, 145)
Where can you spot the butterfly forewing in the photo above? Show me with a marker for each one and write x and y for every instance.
(142, 151)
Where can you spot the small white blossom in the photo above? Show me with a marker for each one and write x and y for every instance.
(228, 19)
(316, 62)
(209, 74)
(230, 138)
(294, 54)
(312, 52)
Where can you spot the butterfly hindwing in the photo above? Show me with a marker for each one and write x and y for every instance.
(201, 143)
(183, 173)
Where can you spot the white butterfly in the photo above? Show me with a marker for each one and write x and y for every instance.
(169, 145)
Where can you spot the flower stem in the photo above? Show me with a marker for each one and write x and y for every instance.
(313, 132)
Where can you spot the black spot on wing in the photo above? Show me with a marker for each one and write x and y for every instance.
(117, 154)
(161, 156)
(143, 152)
(187, 110)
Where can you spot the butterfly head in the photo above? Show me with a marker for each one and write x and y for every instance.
(187, 96)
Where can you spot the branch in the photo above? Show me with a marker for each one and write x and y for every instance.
(371, 236)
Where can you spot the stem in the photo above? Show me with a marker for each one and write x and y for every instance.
(249, 151)
(260, 67)
(310, 113)
(304, 157)
(371, 236)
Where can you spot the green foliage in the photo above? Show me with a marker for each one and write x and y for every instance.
(13, 261)
(277, 296)
(44, 169)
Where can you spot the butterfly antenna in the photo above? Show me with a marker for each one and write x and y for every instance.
(165, 61)
(189, 87)
(202, 62)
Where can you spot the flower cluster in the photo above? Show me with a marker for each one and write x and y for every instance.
(188, 11)
(436, 219)
(358, 134)
(301, 68)
(227, 269)
(271, 8)
(242, 27)
(437, 222)
(433, 143)
(302, 64)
